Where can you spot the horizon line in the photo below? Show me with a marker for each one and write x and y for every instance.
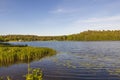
(53, 35)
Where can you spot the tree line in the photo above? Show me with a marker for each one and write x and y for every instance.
(90, 35)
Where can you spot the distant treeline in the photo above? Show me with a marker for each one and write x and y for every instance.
(90, 35)
(29, 38)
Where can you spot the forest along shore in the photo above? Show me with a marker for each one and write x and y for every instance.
(90, 35)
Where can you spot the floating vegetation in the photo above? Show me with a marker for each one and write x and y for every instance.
(96, 62)
(10, 55)
(115, 71)
(65, 63)
(55, 60)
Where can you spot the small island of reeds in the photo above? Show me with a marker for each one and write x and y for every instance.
(10, 54)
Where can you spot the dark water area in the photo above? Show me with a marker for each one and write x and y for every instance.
(73, 61)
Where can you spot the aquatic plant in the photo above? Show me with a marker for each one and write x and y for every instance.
(36, 74)
(10, 55)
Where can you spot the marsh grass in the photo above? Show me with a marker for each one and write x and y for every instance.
(10, 55)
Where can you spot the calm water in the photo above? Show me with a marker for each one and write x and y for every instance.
(74, 61)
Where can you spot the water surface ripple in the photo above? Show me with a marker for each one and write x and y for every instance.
(74, 61)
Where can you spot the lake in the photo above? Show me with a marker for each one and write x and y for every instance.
(98, 60)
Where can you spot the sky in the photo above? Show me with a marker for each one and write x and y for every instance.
(58, 17)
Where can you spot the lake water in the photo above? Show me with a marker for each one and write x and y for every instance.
(73, 61)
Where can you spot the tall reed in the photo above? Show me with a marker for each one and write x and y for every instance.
(20, 54)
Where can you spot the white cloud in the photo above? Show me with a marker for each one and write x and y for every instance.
(59, 11)
(63, 10)
(97, 20)
(106, 23)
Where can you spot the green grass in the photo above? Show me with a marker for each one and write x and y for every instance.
(10, 55)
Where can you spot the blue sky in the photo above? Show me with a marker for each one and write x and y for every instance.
(58, 17)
